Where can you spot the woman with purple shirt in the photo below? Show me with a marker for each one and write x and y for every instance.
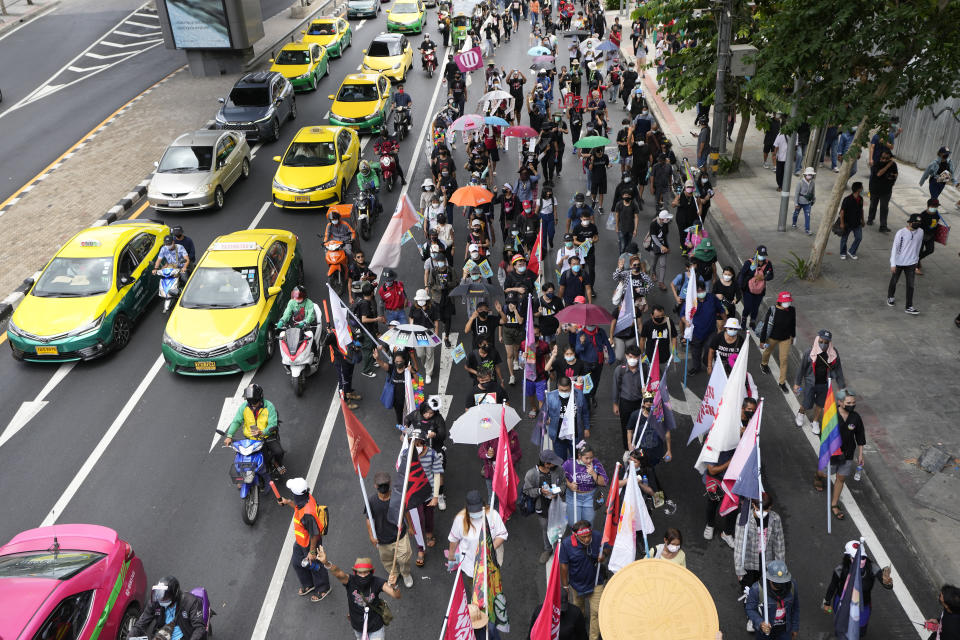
(584, 474)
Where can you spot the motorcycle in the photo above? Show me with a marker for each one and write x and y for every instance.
(388, 171)
(366, 215)
(250, 474)
(336, 257)
(300, 352)
(429, 61)
(169, 286)
(401, 122)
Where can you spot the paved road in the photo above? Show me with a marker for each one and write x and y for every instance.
(158, 485)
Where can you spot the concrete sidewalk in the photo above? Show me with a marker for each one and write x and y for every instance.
(901, 366)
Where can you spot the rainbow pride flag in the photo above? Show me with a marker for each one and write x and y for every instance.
(829, 428)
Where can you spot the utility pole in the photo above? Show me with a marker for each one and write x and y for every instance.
(791, 153)
(718, 139)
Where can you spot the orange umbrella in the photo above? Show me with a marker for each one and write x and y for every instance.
(471, 196)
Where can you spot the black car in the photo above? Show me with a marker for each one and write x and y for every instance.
(257, 105)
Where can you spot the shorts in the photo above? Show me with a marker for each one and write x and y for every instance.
(512, 335)
(844, 469)
(626, 160)
(818, 396)
(768, 148)
(537, 388)
(494, 154)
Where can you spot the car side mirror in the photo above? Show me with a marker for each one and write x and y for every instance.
(273, 291)
(221, 101)
(364, 50)
(124, 280)
(347, 156)
(276, 158)
(271, 60)
(331, 96)
(303, 32)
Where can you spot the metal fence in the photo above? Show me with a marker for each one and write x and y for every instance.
(926, 130)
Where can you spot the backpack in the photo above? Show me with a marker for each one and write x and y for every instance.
(324, 519)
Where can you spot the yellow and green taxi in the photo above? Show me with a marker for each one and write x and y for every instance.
(389, 54)
(406, 16)
(317, 167)
(302, 64)
(334, 34)
(362, 102)
(225, 319)
(89, 295)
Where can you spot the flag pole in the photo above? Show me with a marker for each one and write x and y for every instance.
(763, 546)
(575, 494)
(446, 616)
(366, 501)
(616, 487)
(686, 361)
(403, 503)
(829, 490)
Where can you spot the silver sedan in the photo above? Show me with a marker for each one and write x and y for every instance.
(197, 169)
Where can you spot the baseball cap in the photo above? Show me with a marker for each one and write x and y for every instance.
(567, 237)
(297, 486)
(518, 258)
(762, 250)
(473, 247)
(474, 501)
(825, 334)
(665, 215)
(778, 573)
(851, 549)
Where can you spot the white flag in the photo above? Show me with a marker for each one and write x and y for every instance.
(707, 412)
(725, 432)
(568, 428)
(340, 326)
(690, 307)
(633, 517)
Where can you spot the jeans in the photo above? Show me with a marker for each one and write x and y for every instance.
(549, 228)
(624, 237)
(345, 371)
(881, 201)
(396, 314)
(935, 187)
(806, 216)
(751, 307)
(584, 507)
(910, 271)
(659, 267)
(857, 237)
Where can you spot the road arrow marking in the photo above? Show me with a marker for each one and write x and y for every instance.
(230, 406)
(31, 408)
(446, 366)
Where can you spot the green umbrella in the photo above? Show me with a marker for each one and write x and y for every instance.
(591, 142)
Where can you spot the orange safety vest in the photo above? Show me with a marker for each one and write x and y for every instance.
(300, 531)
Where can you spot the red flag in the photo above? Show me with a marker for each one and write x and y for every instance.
(547, 625)
(653, 381)
(613, 509)
(504, 475)
(362, 446)
(533, 263)
(458, 616)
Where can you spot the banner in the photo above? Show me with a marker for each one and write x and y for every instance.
(459, 626)
(469, 60)
(547, 625)
(707, 412)
(362, 446)
(341, 328)
(488, 583)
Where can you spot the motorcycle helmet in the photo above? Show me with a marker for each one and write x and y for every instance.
(364, 167)
(166, 592)
(299, 293)
(253, 394)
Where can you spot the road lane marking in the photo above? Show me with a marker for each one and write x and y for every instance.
(3, 338)
(256, 221)
(31, 408)
(97, 453)
(230, 406)
(360, 25)
(145, 34)
(136, 214)
(253, 151)
(286, 552)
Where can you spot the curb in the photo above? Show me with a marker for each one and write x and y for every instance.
(28, 16)
(125, 204)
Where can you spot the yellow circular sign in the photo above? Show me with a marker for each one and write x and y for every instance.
(654, 599)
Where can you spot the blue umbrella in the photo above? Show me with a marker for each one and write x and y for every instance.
(539, 51)
(606, 46)
(494, 120)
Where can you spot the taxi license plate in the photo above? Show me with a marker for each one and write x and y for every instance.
(303, 199)
(205, 366)
(175, 203)
(47, 351)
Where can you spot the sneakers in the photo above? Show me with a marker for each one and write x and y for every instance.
(764, 368)
(369, 374)
(766, 165)
(513, 380)
(544, 556)
(799, 418)
(853, 256)
(427, 379)
(784, 387)
(836, 170)
(794, 226)
(808, 232)
(843, 256)
(815, 428)
(750, 628)
(442, 502)
(726, 537)
(891, 302)
(516, 365)
(912, 311)
(408, 581)
(708, 533)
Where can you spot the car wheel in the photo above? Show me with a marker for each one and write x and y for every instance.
(275, 130)
(218, 198)
(122, 328)
(293, 109)
(127, 621)
(271, 343)
(245, 169)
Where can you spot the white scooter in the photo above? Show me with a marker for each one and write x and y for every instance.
(300, 352)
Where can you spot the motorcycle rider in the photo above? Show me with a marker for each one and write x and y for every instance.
(401, 99)
(340, 231)
(300, 310)
(369, 181)
(172, 254)
(427, 46)
(180, 614)
(258, 417)
(388, 145)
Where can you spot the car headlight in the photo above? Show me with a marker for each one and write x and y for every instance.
(398, 65)
(170, 342)
(279, 186)
(266, 117)
(13, 329)
(245, 340)
(89, 327)
(304, 76)
(205, 188)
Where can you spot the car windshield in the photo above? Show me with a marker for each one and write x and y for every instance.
(310, 154)
(321, 29)
(357, 93)
(382, 49)
(61, 565)
(75, 278)
(250, 96)
(289, 56)
(186, 160)
(221, 288)
(405, 7)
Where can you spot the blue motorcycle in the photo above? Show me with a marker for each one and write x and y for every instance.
(250, 474)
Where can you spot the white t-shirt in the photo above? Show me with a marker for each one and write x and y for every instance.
(781, 144)
(469, 541)
(562, 255)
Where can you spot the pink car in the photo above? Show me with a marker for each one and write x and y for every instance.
(69, 582)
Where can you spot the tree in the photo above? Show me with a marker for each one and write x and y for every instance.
(857, 60)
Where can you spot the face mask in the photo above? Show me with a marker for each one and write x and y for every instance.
(445, 173)
(575, 268)
(482, 314)
(660, 320)
(568, 245)
(520, 269)
(590, 327)
(932, 209)
(475, 277)
(421, 303)
(548, 295)
(701, 295)
(364, 581)
(732, 332)
(569, 358)
(760, 514)
(689, 189)
(703, 180)
(441, 263)
(850, 407)
(476, 516)
(334, 222)
(823, 345)
(632, 362)
(474, 254)
(761, 258)
(673, 548)
(164, 603)
(726, 277)
(748, 414)
(564, 394)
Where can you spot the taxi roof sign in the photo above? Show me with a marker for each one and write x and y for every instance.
(90, 243)
(235, 246)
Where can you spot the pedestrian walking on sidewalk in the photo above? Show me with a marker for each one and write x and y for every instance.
(870, 575)
(753, 278)
(851, 221)
(883, 175)
(947, 627)
(388, 542)
(780, 147)
(309, 523)
(782, 604)
(364, 607)
(940, 172)
(806, 195)
(929, 221)
(769, 138)
(779, 329)
(820, 363)
(904, 256)
(747, 559)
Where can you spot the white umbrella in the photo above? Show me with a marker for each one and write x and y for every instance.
(410, 336)
(494, 96)
(481, 423)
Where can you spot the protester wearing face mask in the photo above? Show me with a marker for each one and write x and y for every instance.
(512, 331)
(521, 281)
(395, 367)
(852, 440)
(593, 347)
(746, 543)
(628, 386)
(555, 408)
(465, 535)
(486, 391)
(487, 452)
(170, 606)
(364, 606)
(386, 538)
(778, 329)
(727, 290)
(483, 324)
(563, 362)
(726, 346)
(581, 577)
(431, 461)
(584, 475)
(753, 278)
(704, 328)
(685, 203)
(670, 549)
(574, 283)
(545, 308)
(658, 244)
(425, 314)
(309, 521)
(566, 251)
(870, 576)
(904, 257)
(782, 605)
(484, 358)
(658, 334)
(820, 363)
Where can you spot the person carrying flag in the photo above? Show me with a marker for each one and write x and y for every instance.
(535, 389)
(781, 603)
(852, 441)
(388, 541)
(747, 558)
(819, 364)
(869, 575)
(465, 535)
(364, 606)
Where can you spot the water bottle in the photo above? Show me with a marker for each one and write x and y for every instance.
(643, 479)
(313, 565)
(859, 473)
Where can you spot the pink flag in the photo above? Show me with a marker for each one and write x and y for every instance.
(530, 346)
(388, 251)
(742, 477)
(469, 60)
(653, 379)
(504, 475)
(547, 626)
(458, 616)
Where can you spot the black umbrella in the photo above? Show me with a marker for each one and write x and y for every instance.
(478, 289)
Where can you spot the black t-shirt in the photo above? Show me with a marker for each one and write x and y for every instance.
(851, 434)
(479, 362)
(367, 308)
(493, 394)
(485, 328)
(719, 344)
(821, 369)
(658, 334)
(423, 316)
(574, 284)
(598, 169)
(563, 368)
(625, 215)
(883, 183)
(581, 232)
(386, 531)
(359, 598)
(515, 319)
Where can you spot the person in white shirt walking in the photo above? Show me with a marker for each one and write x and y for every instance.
(904, 256)
(780, 147)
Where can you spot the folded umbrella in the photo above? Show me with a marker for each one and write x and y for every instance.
(542, 65)
(469, 122)
(584, 314)
(471, 196)
(410, 335)
(482, 423)
(520, 131)
(591, 142)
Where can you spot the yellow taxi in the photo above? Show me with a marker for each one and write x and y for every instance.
(302, 64)
(317, 167)
(225, 320)
(87, 298)
(406, 16)
(334, 34)
(362, 102)
(389, 54)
